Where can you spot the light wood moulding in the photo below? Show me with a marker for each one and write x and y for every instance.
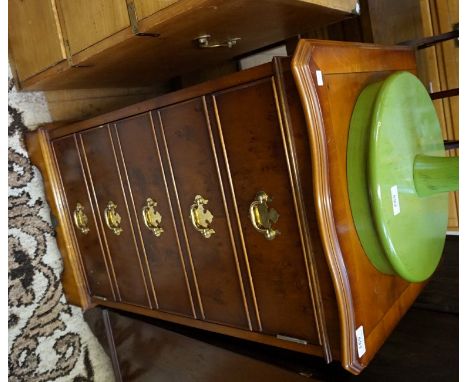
(365, 296)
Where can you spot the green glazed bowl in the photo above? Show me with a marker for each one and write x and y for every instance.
(398, 176)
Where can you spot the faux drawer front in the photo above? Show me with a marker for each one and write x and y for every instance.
(119, 237)
(140, 153)
(81, 210)
(186, 131)
(249, 124)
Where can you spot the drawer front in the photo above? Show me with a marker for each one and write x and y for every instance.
(249, 124)
(87, 236)
(119, 237)
(186, 131)
(142, 166)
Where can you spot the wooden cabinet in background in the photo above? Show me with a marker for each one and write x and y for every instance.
(78, 44)
(224, 206)
(85, 23)
(396, 21)
(34, 39)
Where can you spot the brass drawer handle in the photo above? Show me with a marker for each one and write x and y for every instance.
(113, 219)
(263, 217)
(201, 217)
(152, 217)
(80, 218)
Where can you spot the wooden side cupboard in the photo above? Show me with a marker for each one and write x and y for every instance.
(224, 206)
(79, 44)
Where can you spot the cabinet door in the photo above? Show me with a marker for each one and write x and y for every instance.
(34, 37)
(88, 22)
(112, 210)
(78, 200)
(186, 132)
(145, 8)
(140, 153)
(249, 124)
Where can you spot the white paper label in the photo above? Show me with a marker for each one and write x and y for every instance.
(361, 343)
(395, 200)
(318, 73)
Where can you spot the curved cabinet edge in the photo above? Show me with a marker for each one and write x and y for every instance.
(301, 64)
(73, 280)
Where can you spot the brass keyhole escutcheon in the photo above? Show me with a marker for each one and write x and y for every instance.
(262, 216)
(113, 219)
(152, 218)
(201, 217)
(80, 218)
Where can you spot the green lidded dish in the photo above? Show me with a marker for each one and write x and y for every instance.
(398, 176)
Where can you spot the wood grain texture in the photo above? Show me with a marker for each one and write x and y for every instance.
(105, 181)
(186, 133)
(297, 155)
(92, 254)
(88, 22)
(79, 104)
(73, 278)
(249, 124)
(56, 131)
(124, 59)
(444, 16)
(34, 36)
(145, 8)
(342, 5)
(142, 168)
(365, 296)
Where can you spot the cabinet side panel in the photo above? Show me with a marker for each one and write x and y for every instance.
(72, 278)
(301, 143)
